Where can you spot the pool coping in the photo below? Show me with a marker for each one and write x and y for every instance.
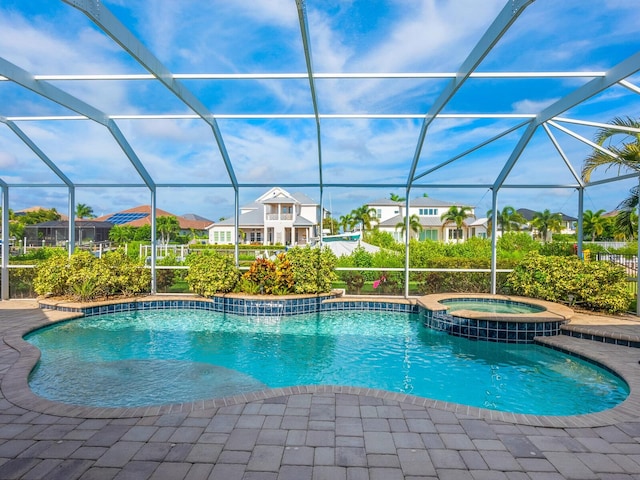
(618, 359)
(552, 312)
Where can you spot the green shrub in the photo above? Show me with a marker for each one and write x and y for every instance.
(515, 245)
(126, 275)
(596, 285)
(263, 274)
(211, 273)
(51, 275)
(313, 269)
(84, 277)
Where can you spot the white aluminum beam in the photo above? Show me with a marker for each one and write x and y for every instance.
(306, 43)
(629, 85)
(619, 72)
(573, 134)
(288, 116)
(35, 149)
(562, 154)
(53, 93)
(467, 152)
(109, 24)
(320, 76)
(511, 11)
(4, 248)
(586, 123)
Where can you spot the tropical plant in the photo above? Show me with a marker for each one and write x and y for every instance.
(85, 277)
(262, 273)
(597, 285)
(313, 269)
(508, 219)
(331, 224)
(626, 221)
(593, 223)
(84, 211)
(167, 227)
(396, 198)
(364, 216)
(211, 273)
(625, 156)
(122, 234)
(546, 222)
(457, 215)
(414, 225)
(346, 222)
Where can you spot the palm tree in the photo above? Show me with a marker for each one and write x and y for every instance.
(84, 211)
(626, 221)
(508, 219)
(119, 234)
(546, 222)
(345, 222)
(626, 157)
(457, 215)
(414, 224)
(331, 224)
(593, 223)
(396, 198)
(364, 216)
(167, 226)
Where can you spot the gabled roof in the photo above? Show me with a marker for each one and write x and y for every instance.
(415, 202)
(529, 214)
(302, 222)
(141, 215)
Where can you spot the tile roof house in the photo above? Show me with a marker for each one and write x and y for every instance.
(141, 215)
(429, 210)
(275, 218)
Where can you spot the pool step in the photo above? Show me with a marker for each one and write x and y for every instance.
(625, 335)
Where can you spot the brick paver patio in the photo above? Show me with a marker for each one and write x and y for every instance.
(315, 433)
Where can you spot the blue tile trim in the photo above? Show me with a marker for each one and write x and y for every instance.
(600, 338)
(248, 306)
(488, 330)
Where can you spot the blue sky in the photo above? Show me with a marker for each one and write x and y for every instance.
(347, 36)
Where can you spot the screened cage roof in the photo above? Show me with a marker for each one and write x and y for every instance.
(344, 101)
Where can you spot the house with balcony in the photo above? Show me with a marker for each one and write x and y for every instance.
(429, 211)
(275, 218)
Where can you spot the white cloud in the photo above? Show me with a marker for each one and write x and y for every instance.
(527, 106)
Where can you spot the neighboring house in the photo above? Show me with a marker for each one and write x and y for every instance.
(141, 215)
(276, 217)
(568, 223)
(429, 210)
(56, 233)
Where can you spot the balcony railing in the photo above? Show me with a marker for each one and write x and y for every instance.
(282, 216)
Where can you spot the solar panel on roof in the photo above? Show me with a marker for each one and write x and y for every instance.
(121, 218)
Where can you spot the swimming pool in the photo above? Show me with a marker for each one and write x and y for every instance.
(158, 357)
(490, 305)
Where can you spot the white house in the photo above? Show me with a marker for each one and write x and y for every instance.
(276, 217)
(429, 210)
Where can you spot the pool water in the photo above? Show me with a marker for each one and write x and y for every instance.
(171, 356)
(491, 306)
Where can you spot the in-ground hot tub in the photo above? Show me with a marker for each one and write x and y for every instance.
(496, 318)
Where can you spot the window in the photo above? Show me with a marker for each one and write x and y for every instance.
(215, 237)
(429, 234)
(228, 237)
(455, 234)
(287, 209)
(379, 213)
(428, 211)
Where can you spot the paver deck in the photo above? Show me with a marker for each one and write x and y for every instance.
(315, 433)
